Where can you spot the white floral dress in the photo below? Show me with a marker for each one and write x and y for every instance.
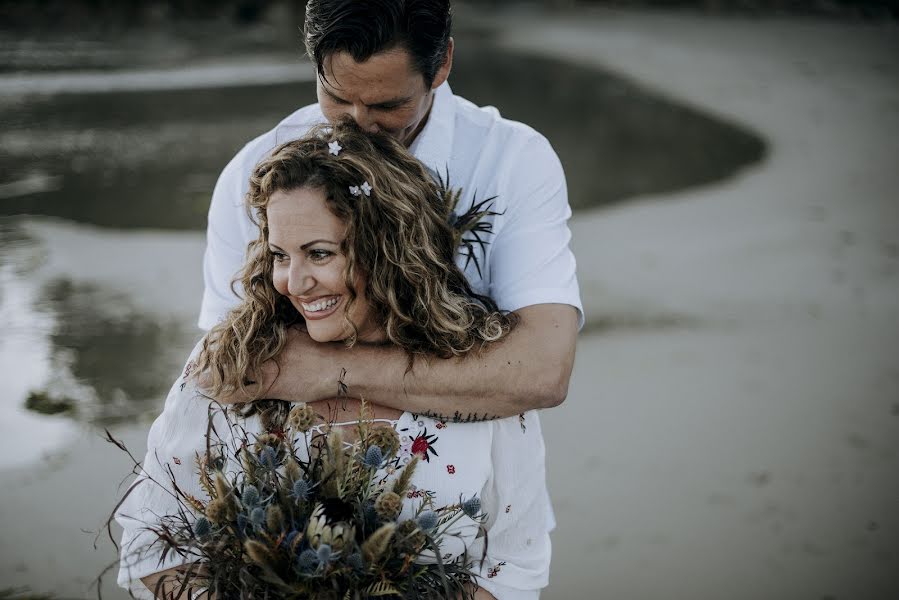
(500, 461)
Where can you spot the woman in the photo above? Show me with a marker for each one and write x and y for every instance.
(355, 246)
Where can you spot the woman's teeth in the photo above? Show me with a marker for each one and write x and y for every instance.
(320, 305)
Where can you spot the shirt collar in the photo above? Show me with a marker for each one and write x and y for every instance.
(433, 144)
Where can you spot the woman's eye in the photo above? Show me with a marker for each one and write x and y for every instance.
(279, 257)
(319, 255)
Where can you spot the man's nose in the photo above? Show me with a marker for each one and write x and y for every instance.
(364, 118)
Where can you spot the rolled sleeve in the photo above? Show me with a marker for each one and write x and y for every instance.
(530, 259)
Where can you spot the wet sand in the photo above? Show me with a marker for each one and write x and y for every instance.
(731, 428)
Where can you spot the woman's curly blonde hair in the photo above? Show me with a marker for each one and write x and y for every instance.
(399, 239)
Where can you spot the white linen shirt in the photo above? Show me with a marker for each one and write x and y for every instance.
(527, 260)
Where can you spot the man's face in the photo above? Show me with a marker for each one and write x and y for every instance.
(384, 93)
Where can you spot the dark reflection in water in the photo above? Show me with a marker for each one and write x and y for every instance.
(150, 159)
(615, 139)
(128, 360)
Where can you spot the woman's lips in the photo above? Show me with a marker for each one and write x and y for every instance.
(320, 314)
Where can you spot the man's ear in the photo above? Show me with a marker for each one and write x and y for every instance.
(447, 66)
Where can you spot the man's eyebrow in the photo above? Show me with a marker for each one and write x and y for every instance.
(391, 102)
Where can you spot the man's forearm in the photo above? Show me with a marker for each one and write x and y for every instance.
(529, 369)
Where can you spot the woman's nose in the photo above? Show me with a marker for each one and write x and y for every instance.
(299, 280)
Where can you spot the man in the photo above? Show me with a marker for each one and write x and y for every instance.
(386, 65)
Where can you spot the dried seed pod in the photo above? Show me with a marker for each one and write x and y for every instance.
(301, 418)
(385, 438)
(388, 505)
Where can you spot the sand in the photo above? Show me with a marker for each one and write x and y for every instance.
(731, 427)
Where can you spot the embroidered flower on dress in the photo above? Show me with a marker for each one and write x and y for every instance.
(451, 469)
(423, 445)
(494, 571)
(334, 147)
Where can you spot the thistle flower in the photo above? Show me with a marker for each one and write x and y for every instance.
(388, 505)
(202, 527)
(257, 516)
(385, 438)
(301, 417)
(374, 547)
(250, 496)
(268, 457)
(324, 553)
(472, 507)
(307, 560)
(373, 457)
(300, 489)
(355, 561)
(427, 520)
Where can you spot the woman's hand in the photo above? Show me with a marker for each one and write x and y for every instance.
(480, 593)
(171, 584)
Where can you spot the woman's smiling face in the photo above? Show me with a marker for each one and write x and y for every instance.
(308, 265)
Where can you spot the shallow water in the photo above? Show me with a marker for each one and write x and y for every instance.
(103, 199)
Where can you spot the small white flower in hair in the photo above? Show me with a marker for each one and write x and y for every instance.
(366, 189)
(354, 190)
(334, 147)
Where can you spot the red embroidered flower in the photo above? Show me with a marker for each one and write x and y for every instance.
(420, 446)
(451, 469)
(440, 424)
(423, 445)
(177, 460)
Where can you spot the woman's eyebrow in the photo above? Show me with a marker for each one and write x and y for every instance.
(306, 245)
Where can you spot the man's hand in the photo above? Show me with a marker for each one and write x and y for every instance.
(305, 371)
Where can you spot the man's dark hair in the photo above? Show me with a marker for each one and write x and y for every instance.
(364, 28)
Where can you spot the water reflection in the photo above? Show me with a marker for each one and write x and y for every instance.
(150, 159)
(102, 342)
(90, 344)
